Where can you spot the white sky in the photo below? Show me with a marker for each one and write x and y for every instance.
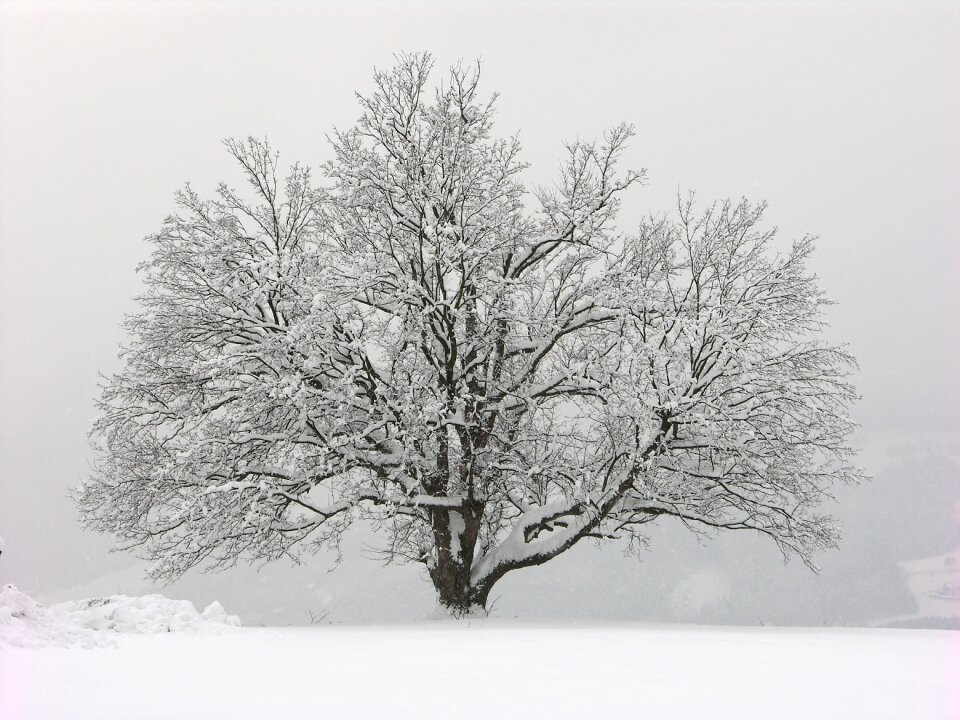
(843, 116)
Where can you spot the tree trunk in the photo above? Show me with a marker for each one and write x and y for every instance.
(455, 533)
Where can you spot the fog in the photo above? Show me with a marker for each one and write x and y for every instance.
(843, 117)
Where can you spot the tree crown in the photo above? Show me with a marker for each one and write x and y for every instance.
(488, 376)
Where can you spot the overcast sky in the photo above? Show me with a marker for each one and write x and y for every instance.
(843, 116)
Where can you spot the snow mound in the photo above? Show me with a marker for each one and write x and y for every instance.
(26, 623)
(144, 615)
(93, 623)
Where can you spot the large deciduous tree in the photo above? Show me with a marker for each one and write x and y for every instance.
(488, 376)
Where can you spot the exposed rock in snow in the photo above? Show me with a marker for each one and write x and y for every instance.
(26, 623)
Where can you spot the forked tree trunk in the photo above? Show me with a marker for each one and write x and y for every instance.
(455, 533)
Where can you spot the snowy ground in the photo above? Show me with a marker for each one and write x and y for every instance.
(491, 670)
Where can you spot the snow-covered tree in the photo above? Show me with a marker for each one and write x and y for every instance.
(487, 376)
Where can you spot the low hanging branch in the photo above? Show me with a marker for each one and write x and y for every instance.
(410, 344)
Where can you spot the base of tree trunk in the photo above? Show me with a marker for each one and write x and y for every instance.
(448, 612)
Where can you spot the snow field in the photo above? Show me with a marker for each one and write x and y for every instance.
(494, 670)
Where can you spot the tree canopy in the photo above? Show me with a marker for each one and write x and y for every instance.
(486, 373)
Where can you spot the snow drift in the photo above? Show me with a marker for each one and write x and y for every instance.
(26, 623)
(93, 623)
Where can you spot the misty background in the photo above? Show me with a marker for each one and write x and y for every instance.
(843, 117)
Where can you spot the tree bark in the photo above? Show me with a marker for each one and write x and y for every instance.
(455, 532)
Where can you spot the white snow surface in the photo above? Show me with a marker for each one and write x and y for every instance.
(492, 669)
(96, 622)
(26, 623)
